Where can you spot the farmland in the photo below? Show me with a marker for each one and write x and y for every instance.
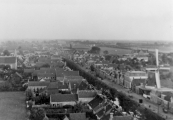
(115, 51)
(12, 106)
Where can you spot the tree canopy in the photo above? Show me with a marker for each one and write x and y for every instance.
(105, 52)
(37, 114)
(6, 53)
(95, 50)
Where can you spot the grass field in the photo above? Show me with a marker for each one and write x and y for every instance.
(115, 51)
(12, 106)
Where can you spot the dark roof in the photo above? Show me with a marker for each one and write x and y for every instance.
(57, 85)
(59, 74)
(28, 70)
(7, 59)
(78, 116)
(101, 113)
(37, 83)
(52, 91)
(47, 70)
(74, 77)
(71, 73)
(168, 96)
(87, 94)
(105, 117)
(95, 102)
(57, 64)
(151, 79)
(83, 86)
(58, 69)
(137, 82)
(19, 74)
(122, 118)
(100, 105)
(64, 97)
(45, 75)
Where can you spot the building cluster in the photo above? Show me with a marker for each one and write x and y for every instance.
(142, 81)
(65, 87)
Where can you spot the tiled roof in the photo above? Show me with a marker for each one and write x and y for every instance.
(39, 64)
(53, 91)
(74, 84)
(57, 64)
(45, 75)
(8, 60)
(73, 77)
(87, 94)
(58, 69)
(28, 70)
(59, 74)
(71, 73)
(105, 117)
(78, 116)
(101, 113)
(95, 102)
(57, 85)
(37, 83)
(100, 105)
(47, 70)
(64, 97)
(83, 86)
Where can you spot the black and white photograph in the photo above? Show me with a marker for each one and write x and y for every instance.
(86, 59)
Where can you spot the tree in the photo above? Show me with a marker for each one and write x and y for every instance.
(37, 114)
(6, 53)
(95, 50)
(164, 58)
(108, 57)
(92, 68)
(105, 52)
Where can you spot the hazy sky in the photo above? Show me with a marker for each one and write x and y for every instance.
(87, 19)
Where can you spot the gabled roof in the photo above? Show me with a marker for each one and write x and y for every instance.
(64, 98)
(57, 64)
(57, 85)
(95, 102)
(47, 70)
(78, 116)
(53, 91)
(45, 75)
(87, 94)
(28, 70)
(37, 83)
(74, 84)
(83, 86)
(71, 73)
(73, 77)
(8, 59)
(59, 74)
(57, 69)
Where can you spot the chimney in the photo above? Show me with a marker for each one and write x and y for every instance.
(111, 116)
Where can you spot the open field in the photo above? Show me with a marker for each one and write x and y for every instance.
(160, 48)
(12, 106)
(115, 51)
